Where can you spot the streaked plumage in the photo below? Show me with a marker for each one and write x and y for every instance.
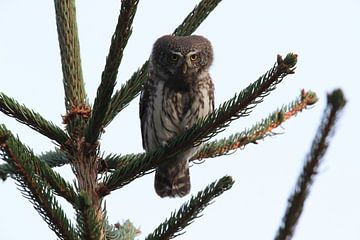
(178, 91)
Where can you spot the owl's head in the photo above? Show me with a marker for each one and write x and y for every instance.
(182, 55)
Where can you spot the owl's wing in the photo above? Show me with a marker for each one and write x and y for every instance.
(143, 106)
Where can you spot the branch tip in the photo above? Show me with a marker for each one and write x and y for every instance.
(336, 98)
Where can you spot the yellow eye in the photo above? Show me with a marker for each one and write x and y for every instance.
(174, 57)
(193, 57)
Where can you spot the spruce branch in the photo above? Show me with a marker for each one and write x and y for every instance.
(259, 131)
(190, 210)
(223, 146)
(119, 40)
(70, 53)
(133, 86)
(39, 168)
(35, 189)
(208, 150)
(32, 119)
(126, 93)
(335, 103)
(77, 109)
(113, 162)
(55, 158)
(238, 106)
(89, 226)
(89, 211)
(196, 17)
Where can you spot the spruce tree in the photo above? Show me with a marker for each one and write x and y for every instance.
(77, 143)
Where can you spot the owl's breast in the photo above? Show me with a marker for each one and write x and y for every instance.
(174, 111)
(175, 105)
(165, 115)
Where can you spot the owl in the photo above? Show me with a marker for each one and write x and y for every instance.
(177, 93)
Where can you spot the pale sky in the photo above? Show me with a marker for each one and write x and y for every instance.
(246, 38)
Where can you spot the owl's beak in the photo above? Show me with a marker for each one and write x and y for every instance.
(184, 67)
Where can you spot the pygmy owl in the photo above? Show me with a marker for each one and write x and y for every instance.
(178, 91)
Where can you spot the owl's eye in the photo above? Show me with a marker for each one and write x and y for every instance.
(174, 57)
(193, 57)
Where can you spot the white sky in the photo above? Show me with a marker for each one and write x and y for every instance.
(246, 37)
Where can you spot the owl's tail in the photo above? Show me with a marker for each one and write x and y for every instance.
(173, 180)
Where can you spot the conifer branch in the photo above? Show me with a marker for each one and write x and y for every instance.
(190, 210)
(258, 131)
(55, 158)
(77, 108)
(108, 78)
(335, 104)
(126, 93)
(238, 106)
(35, 189)
(39, 168)
(90, 228)
(32, 119)
(223, 146)
(75, 94)
(196, 17)
(133, 86)
(113, 162)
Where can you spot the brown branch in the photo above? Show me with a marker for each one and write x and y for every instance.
(336, 102)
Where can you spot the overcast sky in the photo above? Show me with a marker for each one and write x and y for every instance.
(246, 37)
